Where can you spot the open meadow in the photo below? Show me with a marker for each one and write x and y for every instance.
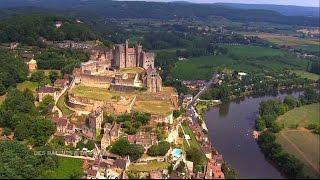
(300, 142)
(241, 58)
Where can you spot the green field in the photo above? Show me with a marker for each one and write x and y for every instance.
(203, 67)
(307, 75)
(68, 168)
(303, 116)
(254, 51)
(301, 142)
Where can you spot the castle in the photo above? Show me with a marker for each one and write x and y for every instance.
(106, 65)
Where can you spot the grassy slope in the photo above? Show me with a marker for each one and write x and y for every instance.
(62, 105)
(202, 67)
(67, 168)
(301, 142)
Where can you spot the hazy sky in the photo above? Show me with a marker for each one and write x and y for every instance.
(314, 3)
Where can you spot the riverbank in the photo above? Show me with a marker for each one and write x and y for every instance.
(284, 139)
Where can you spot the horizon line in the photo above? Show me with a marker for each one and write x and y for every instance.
(249, 3)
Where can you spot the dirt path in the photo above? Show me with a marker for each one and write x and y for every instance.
(301, 153)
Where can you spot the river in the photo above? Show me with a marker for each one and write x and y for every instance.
(230, 129)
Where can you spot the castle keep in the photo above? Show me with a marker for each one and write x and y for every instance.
(106, 64)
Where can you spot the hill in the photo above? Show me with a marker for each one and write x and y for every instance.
(283, 9)
(158, 10)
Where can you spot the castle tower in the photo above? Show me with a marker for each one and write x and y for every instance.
(95, 120)
(152, 80)
(120, 56)
(126, 54)
(139, 54)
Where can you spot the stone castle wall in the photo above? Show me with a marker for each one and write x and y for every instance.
(96, 81)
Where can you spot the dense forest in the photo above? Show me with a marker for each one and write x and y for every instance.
(28, 29)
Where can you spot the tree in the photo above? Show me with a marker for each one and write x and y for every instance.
(177, 113)
(46, 105)
(310, 96)
(17, 161)
(291, 101)
(195, 155)
(35, 131)
(159, 149)
(15, 105)
(2, 89)
(53, 76)
(135, 151)
(229, 172)
(40, 78)
(260, 124)
(12, 70)
(120, 147)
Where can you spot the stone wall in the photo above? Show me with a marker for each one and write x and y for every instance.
(96, 81)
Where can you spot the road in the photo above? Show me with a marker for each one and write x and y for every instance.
(214, 80)
(55, 108)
